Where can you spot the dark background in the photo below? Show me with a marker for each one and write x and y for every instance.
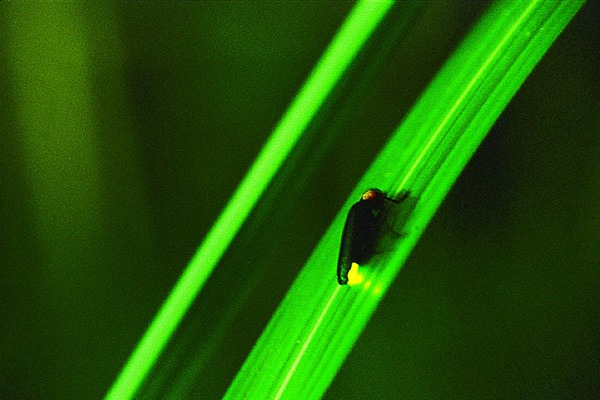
(500, 298)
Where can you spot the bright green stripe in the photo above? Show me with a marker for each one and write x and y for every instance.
(318, 322)
(363, 19)
(468, 90)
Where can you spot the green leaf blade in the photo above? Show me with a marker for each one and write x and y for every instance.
(347, 43)
(318, 322)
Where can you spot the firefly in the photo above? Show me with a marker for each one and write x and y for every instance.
(361, 231)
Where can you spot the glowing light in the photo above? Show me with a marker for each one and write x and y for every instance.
(377, 290)
(355, 277)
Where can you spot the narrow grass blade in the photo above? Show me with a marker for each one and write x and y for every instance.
(359, 25)
(318, 322)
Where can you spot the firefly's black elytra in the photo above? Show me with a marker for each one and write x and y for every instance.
(361, 231)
